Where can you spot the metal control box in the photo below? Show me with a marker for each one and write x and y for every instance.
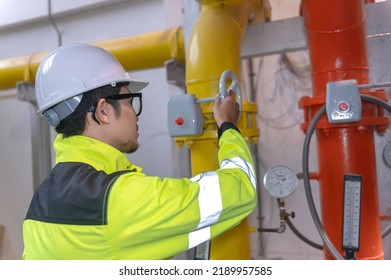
(343, 102)
(184, 116)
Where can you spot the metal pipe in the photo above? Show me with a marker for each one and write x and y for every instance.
(252, 94)
(338, 51)
(50, 15)
(284, 216)
(145, 51)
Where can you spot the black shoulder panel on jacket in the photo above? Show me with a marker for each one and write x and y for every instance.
(73, 193)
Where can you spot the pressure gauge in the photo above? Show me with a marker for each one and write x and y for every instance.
(280, 181)
(387, 154)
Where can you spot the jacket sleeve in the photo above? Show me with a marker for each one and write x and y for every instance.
(237, 178)
(155, 218)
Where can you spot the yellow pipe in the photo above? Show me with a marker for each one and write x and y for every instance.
(138, 52)
(214, 46)
(23, 68)
(149, 50)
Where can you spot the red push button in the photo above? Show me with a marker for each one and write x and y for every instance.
(343, 106)
(179, 121)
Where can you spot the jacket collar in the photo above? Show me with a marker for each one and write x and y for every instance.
(88, 150)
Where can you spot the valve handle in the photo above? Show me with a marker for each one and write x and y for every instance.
(234, 86)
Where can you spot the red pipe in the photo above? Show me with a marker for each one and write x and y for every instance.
(338, 51)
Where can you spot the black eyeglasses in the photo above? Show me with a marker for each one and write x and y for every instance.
(136, 102)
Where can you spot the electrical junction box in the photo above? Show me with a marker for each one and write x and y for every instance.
(343, 102)
(184, 116)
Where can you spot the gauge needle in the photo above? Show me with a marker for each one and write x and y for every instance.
(278, 183)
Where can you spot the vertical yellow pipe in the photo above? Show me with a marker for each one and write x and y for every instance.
(214, 46)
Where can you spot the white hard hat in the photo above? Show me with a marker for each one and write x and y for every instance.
(71, 70)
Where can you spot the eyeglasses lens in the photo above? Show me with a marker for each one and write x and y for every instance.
(136, 104)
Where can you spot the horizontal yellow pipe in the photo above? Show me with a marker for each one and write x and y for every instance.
(149, 50)
(145, 51)
(22, 68)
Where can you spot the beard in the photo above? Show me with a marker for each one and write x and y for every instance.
(131, 148)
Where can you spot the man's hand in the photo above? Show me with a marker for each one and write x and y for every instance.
(227, 111)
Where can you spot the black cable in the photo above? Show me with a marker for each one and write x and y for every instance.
(301, 236)
(297, 232)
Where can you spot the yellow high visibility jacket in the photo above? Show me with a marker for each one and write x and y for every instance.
(96, 204)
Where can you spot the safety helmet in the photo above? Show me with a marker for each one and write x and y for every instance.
(71, 70)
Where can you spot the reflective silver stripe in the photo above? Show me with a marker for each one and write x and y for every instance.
(211, 205)
(209, 198)
(238, 162)
(199, 236)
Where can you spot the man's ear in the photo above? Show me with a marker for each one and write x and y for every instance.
(102, 113)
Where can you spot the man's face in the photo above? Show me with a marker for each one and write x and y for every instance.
(124, 127)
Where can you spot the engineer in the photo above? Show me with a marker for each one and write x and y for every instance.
(96, 204)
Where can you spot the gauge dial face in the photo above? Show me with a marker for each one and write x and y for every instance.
(280, 181)
(387, 154)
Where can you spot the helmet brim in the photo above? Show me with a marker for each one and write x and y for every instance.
(136, 86)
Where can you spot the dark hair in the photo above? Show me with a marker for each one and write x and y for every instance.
(75, 123)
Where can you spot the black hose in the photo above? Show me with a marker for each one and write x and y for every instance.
(301, 236)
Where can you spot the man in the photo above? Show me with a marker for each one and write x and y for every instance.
(96, 204)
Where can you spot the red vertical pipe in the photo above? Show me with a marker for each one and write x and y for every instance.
(338, 51)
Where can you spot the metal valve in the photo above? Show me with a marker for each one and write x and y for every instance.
(185, 116)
